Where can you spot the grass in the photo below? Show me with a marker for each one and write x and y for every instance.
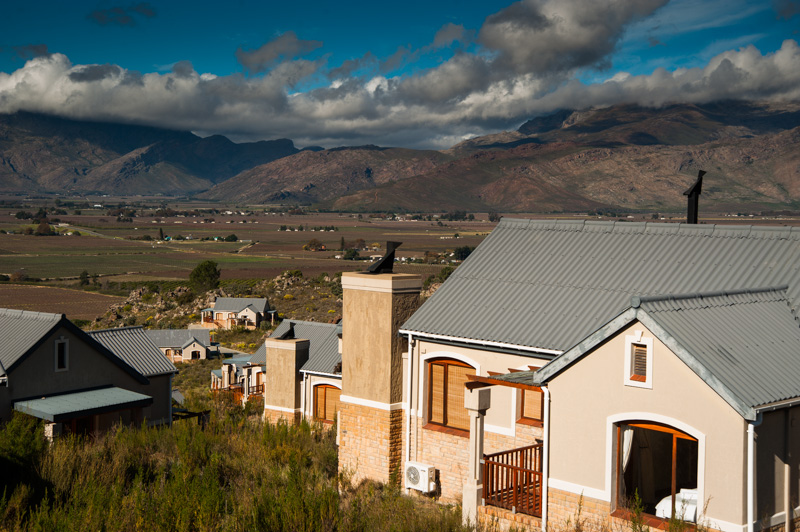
(234, 474)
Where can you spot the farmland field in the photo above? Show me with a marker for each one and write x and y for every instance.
(76, 304)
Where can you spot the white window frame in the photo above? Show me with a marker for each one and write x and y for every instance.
(637, 338)
(65, 342)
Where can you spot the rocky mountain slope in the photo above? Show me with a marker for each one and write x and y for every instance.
(620, 157)
(625, 156)
(40, 153)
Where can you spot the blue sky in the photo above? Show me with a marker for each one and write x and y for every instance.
(419, 74)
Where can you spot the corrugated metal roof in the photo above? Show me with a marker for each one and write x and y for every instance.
(132, 345)
(78, 404)
(238, 304)
(20, 331)
(323, 349)
(260, 356)
(548, 284)
(239, 361)
(748, 341)
(178, 337)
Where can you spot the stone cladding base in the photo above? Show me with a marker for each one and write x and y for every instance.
(275, 416)
(370, 442)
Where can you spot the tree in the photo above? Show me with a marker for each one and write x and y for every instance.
(231, 238)
(160, 233)
(494, 216)
(83, 278)
(205, 276)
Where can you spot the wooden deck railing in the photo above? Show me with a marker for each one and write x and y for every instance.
(258, 389)
(513, 480)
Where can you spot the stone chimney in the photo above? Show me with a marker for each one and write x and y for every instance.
(283, 379)
(371, 416)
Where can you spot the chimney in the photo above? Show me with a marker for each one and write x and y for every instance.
(375, 305)
(282, 386)
(694, 198)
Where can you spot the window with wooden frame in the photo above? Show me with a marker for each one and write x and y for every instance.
(62, 354)
(531, 406)
(446, 380)
(638, 366)
(326, 402)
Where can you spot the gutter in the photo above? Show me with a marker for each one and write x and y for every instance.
(411, 343)
(751, 471)
(485, 343)
(545, 455)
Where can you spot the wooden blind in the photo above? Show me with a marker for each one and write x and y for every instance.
(326, 402)
(332, 403)
(436, 398)
(532, 404)
(639, 360)
(457, 415)
(319, 402)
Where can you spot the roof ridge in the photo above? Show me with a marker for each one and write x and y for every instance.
(637, 301)
(115, 329)
(581, 225)
(30, 314)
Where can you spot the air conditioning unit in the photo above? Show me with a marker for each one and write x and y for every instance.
(420, 477)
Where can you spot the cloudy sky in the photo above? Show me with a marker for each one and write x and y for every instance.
(421, 74)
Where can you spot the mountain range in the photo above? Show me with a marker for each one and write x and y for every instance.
(621, 157)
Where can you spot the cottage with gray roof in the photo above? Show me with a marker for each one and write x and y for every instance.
(315, 370)
(650, 358)
(182, 345)
(231, 312)
(80, 382)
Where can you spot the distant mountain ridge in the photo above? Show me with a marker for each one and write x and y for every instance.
(625, 156)
(45, 153)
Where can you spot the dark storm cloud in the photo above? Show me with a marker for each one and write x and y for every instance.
(29, 51)
(122, 16)
(183, 69)
(786, 8)
(546, 36)
(368, 60)
(284, 47)
(90, 73)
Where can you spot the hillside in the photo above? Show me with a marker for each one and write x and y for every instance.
(43, 153)
(323, 176)
(625, 157)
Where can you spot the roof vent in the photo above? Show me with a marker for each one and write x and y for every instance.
(694, 198)
(385, 263)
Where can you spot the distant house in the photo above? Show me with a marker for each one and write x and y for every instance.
(182, 345)
(79, 382)
(242, 376)
(303, 371)
(231, 312)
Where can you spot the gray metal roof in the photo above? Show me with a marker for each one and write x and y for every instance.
(323, 349)
(78, 404)
(20, 332)
(548, 284)
(743, 344)
(238, 304)
(260, 356)
(166, 338)
(749, 342)
(133, 346)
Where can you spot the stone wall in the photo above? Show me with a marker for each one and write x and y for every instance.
(499, 519)
(370, 442)
(449, 452)
(276, 416)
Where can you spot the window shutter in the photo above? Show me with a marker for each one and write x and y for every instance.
(319, 402)
(532, 404)
(332, 407)
(639, 360)
(437, 394)
(457, 415)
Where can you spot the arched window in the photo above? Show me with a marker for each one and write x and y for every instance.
(446, 380)
(326, 402)
(658, 463)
